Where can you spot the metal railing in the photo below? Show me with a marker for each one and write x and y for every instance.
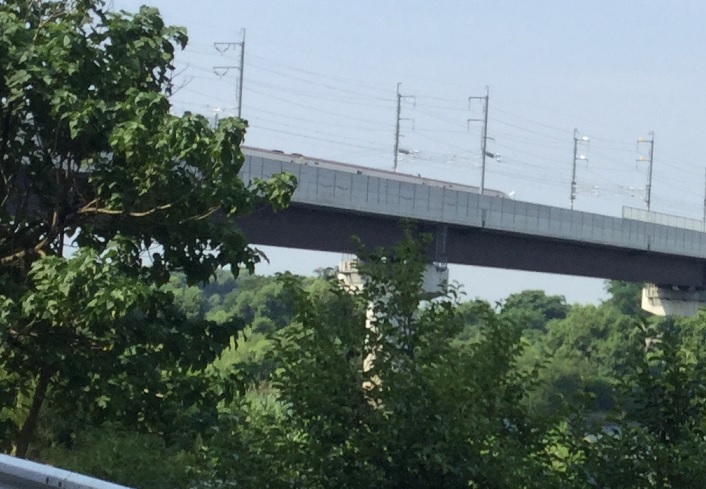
(663, 219)
(16, 473)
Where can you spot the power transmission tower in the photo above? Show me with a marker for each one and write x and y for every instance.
(648, 188)
(484, 137)
(397, 123)
(576, 157)
(221, 71)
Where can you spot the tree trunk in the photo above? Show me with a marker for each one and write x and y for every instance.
(30, 424)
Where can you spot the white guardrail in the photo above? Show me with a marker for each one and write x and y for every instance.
(17, 473)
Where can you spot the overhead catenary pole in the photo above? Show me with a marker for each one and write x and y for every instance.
(575, 158)
(705, 195)
(649, 177)
(572, 197)
(397, 127)
(648, 188)
(484, 137)
(398, 118)
(220, 71)
(242, 73)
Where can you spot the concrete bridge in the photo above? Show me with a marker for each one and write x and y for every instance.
(335, 201)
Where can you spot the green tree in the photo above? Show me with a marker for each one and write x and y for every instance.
(474, 313)
(430, 413)
(594, 334)
(657, 437)
(585, 347)
(257, 300)
(188, 297)
(534, 308)
(90, 153)
(626, 297)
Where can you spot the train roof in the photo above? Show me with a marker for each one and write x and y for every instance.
(364, 170)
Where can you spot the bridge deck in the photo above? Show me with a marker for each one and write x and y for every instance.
(533, 236)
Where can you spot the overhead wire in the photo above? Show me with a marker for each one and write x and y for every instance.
(258, 120)
(324, 123)
(316, 96)
(602, 150)
(315, 109)
(445, 100)
(524, 129)
(321, 75)
(324, 85)
(306, 136)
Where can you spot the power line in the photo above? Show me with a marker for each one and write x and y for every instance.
(538, 134)
(531, 131)
(305, 136)
(317, 96)
(315, 109)
(323, 123)
(258, 119)
(346, 80)
(271, 70)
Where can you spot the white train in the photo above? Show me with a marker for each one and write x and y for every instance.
(364, 170)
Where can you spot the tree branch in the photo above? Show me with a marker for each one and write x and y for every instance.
(30, 424)
(87, 209)
(37, 249)
(207, 214)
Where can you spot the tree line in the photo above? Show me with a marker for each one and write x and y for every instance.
(530, 392)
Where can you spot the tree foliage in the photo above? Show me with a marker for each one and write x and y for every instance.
(626, 297)
(656, 436)
(533, 308)
(440, 406)
(90, 154)
(429, 412)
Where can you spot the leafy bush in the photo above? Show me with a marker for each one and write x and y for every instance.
(136, 460)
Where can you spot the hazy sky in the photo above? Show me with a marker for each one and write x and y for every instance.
(320, 80)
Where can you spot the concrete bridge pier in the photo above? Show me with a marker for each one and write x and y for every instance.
(668, 300)
(435, 274)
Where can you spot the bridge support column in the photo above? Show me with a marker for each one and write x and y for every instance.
(434, 275)
(672, 300)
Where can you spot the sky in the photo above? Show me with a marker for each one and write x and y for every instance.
(320, 79)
